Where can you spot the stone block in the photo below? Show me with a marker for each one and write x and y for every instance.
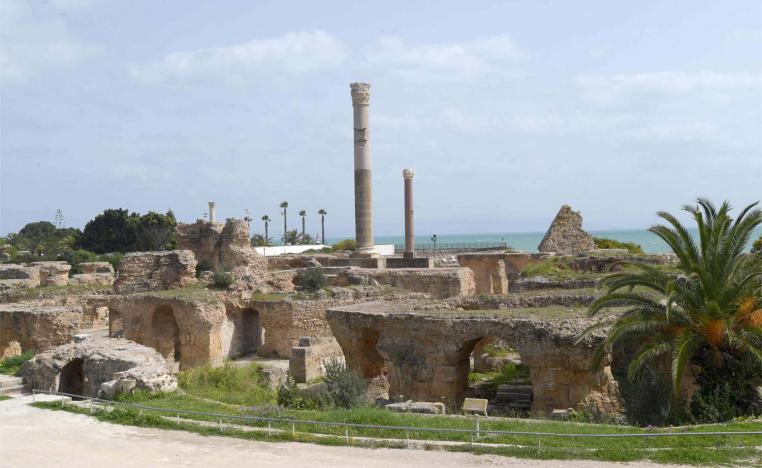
(149, 271)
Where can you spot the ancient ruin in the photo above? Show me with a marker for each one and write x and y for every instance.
(146, 271)
(565, 234)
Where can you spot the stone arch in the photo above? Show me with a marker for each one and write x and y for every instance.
(166, 333)
(72, 378)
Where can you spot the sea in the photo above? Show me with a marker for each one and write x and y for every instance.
(528, 241)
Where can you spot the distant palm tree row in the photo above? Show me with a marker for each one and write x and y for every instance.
(293, 236)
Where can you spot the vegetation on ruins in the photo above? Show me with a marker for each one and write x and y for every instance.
(603, 243)
(344, 245)
(12, 364)
(229, 383)
(707, 317)
(118, 230)
(322, 214)
(313, 279)
(222, 279)
(344, 388)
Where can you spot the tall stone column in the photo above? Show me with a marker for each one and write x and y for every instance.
(407, 174)
(212, 212)
(363, 184)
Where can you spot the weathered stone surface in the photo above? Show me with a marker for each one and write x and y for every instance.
(36, 327)
(310, 356)
(225, 247)
(14, 276)
(96, 267)
(425, 356)
(417, 407)
(149, 271)
(565, 234)
(53, 273)
(494, 271)
(99, 367)
(437, 282)
(98, 279)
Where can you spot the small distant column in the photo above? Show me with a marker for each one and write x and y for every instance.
(407, 175)
(363, 186)
(212, 212)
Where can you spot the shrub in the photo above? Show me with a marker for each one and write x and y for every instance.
(75, 257)
(344, 389)
(346, 244)
(113, 258)
(313, 279)
(11, 365)
(222, 279)
(203, 265)
(602, 243)
(288, 396)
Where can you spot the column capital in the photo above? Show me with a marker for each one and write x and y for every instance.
(360, 93)
(408, 173)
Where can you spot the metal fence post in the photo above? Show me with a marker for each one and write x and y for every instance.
(477, 426)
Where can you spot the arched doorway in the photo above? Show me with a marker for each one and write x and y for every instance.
(72, 378)
(166, 333)
(251, 331)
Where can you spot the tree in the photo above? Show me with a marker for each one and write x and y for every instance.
(258, 240)
(322, 214)
(156, 231)
(757, 246)
(42, 238)
(118, 230)
(291, 237)
(266, 219)
(710, 313)
(59, 219)
(284, 206)
(303, 214)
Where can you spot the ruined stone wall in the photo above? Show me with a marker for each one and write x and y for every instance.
(37, 328)
(53, 273)
(150, 271)
(438, 282)
(565, 234)
(225, 247)
(18, 276)
(426, 358)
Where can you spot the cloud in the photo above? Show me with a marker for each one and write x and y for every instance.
(617, 88)
(448, 61)
(33, 44)
(296, 53)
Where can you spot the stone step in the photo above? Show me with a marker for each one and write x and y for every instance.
(13, 389)
(10, 381)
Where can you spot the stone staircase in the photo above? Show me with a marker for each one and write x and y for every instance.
(10, 385)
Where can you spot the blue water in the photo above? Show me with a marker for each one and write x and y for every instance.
(529, 241)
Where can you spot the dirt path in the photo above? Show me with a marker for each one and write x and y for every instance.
(43, 438)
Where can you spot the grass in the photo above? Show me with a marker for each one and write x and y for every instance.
(552, 312)
(195, 292)
(707, 450)
(4, 397)
(270, 297)
(12, 364)
(509, 373)
(227, 384)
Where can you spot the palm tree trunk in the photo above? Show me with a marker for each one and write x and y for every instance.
(322, 228)
(302, 226)
(285, 228)
(266, 236)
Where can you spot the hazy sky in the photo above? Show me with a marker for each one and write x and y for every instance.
(505, 110)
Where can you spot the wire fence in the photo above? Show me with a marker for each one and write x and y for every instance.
(477, 431)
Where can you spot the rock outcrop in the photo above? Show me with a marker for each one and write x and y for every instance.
(36, 327)
(225, 247)
(425, 355)
(99, 368)
(565, 234)
(151, 271)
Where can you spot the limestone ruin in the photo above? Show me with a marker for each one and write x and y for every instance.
(565, 234)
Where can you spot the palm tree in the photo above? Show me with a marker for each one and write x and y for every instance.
(303, 214)
(322, 214)
(266, 219)
(284, 205)
(708, 313)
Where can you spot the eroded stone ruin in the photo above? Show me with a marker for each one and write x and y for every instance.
(565, 234)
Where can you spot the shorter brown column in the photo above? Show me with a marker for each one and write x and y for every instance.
(407, 174)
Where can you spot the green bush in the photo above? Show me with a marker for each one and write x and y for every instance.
(313, 279)
(344, 389)
(602, 243)
(75, 257)
(228, 383)
(289, 397)
(346, 244)
(222, 279)
(113, 258)
(11, 365)
(757, 245)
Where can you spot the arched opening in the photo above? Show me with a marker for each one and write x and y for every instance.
(498, 374)
(115, 324)
(72, 378)
(166, 333)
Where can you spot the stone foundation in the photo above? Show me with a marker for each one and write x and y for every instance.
(36, 327)
(150, 271)
(53, 273)
(18, 276)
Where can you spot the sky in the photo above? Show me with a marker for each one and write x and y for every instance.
(505, 109)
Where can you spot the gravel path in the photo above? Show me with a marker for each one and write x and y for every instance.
(44, 438)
